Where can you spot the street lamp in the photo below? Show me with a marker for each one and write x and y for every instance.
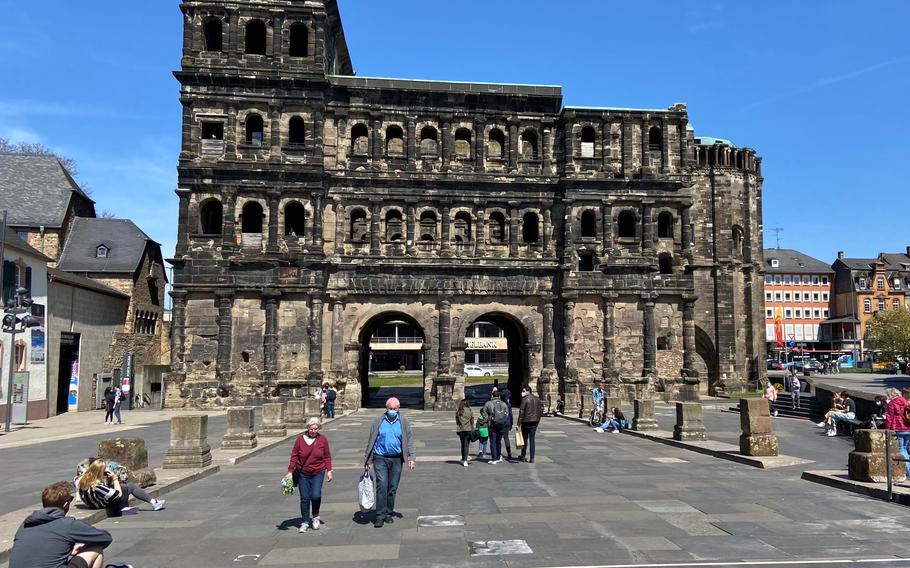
(16, 320)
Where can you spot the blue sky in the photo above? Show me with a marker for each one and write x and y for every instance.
(819, 88)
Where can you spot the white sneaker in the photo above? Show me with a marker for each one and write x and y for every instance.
(614, 431)
(821, 424)
(832, 433)
(303, 528)
(492, 462)
(464, 463)
(775, 413)
(315, 523)
(599, 430)
(158, 504)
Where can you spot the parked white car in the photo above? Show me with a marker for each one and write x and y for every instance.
(475, 371)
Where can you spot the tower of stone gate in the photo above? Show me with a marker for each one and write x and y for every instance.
(319, 209)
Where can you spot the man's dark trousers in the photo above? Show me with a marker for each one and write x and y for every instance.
(496, 434)
(388, 474)
(529, 433)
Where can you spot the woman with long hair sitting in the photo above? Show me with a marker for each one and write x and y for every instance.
(101, 489)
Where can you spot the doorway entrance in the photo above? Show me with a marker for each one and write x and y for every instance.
(495, 355)
(392, 361)
(68, 373)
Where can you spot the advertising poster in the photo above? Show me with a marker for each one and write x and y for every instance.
(74, 385)
(38, 344)
(37, 311)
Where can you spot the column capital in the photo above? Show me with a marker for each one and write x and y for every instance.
(649, 297)
(224, 295)
(610, 297)
(179, 295)
(689, 297)
(271, 295)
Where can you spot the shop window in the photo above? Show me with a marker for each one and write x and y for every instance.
(255, 37)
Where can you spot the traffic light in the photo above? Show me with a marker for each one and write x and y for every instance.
(19, 319)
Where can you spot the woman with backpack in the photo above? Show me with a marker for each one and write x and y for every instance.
(464, 426)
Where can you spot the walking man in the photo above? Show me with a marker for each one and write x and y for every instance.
(795, 387)
(497, 413)
(529, 414)
(389, 445)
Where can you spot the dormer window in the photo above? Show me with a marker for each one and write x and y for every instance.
(102, 251)
(775, 263)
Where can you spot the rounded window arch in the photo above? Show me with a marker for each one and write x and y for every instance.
(665, 263)
(496, 144)
(394, 140)
(297, 131)
(626, 225)
(738, 241)
(213, 32)
(655, 138)
(463, 232)
(530, 228)
(588, 224)
(665, 225)
(360, 227)
(299, 40)
(255, 127)
(251, 217)
(428, 227)
(529, 145)
(394, 226)
(463, 143)
(294, 219)
(429, 142)
(360, 140)
(588, 138)
(211, 217)
(256, 38)
(497, 228)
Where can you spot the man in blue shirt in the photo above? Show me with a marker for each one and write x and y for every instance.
(389, 445)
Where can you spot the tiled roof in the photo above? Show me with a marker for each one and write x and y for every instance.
(125, 242)
(790, 260)
(36, 190)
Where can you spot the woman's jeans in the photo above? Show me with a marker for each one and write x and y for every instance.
(117, 414)
(611, 424)
(465, 438)
(310, 487)
(115, 508)
(903, 444)
(496, 434)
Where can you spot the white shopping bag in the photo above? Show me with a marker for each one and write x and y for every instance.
(366, 493)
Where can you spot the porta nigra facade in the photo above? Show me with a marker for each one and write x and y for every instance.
(316, 205)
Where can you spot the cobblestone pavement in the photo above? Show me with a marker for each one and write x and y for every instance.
(591, 499)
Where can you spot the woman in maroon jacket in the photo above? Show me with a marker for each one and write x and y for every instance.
(311, 463)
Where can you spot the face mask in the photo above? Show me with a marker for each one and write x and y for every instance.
(391, 413)
(524, 394)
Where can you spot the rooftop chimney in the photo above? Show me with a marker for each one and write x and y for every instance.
(840, 254)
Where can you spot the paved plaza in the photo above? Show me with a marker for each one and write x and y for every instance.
(591, 499)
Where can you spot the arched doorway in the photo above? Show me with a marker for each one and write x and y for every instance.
(705, 348)
(392, 361)
(495, 354)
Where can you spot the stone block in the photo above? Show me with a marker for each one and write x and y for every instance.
(189, 443)
(690, 422)
(132, 453)
(295, 414)
(241, 430)
(868, 461)
(273, 424)
(644, 415)
(754, 416)
(611, 402)
(759, 445)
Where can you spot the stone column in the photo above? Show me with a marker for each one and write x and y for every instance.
(224, 300)
(690, 375)
(867, 461)
(513, 232)
(755, 420)
(547, 235)
(664, 146)
(318, 232)
(376, 149)
(375, 249)
(339, 226)
(273, 425)
(649, 339)
(315, 376)
(446, 143)
(643, 419)
(241, 430)
(185, 225)
(132, 454)
(645, 151)
(690, 422)
(514, 144)
(187, 146)
(571, 384)
(608, 368)
(227, 220)
(686, 230)
(411, 143)
(317, 146)
(548, 383)
(479, 145)
(272, 246)
(545, 148)
(607, 220)
(410, 244)
(683, 144)
(480, 232)
(270, 298)
(275, 133)
(446, 245)
(189, 446)
(647, 229)
(178, 331)
(444, 381)
(276, 23)
(230, 133)
(605, 142)
(338, 334)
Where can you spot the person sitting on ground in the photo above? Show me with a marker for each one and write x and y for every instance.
(615, 422)
(848, 413)
(102, 489)
(50, 539)
(770, 395)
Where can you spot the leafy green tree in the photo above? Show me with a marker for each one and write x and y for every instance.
(889, 332)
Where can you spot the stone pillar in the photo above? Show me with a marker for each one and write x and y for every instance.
(411, 143)
(188, 149)
(546, 158)
(645, 151)
(272, 245)
(479, 145)
(683, 144)
(480, 232)
(273, 425)
(296, 415)
(270, 298)
(755, 420)
(690, 422)
(339, 226)
(664, 146)
(315, 376)
(374, 229)
(548, 383)
(446, 143)
(444, 381)
(230, 133)
(643, 419)
(274, 134)
(376, 139)
(649, 338)
(867, 461)
(338, 334)
(185, 225)
(224, 300)
(608, 367)
(571, 387)
(607, 220)
(626, 147)
(647, 230)
(411, 244)
(178, 331)
(241, 429)
(132, 453)
(686, 232)
(513, 232)
(189, 443)
(689, 391)
(547, 235)
(513, 145)
(227, 221)
(318, 232)
(446, 245)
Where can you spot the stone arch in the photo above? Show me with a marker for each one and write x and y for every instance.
(704, 346)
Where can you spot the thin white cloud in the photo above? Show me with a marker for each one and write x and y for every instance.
(20, 135)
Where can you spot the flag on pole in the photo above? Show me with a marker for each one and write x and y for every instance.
(779, 327)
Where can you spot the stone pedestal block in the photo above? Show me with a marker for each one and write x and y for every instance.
(548, 388)
(690, 422)
(189, 443)
(445, 390)
(131, 453)
(688, 391)
(273, 425)
(241, 430)
(867, 461)
(644, 415)
(755, 420)
(611, 402)
(296, 414)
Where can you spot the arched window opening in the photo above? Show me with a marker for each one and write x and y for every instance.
(702, 157)
(462, 143)
(655, 139)
(251, 218)
(211, 215)
(665, 226)
(294, 219)
(297, 131)
(394, 141)
(665, 264)
(154, 296)
(255, 37)
(393, 226)
(588, 136)
(214, 35)
(428, 226)
(497, 228)
(463, 227)
(300, 41)
(254, 130)
(586, 262)
(530, 228)
(429, 142)
(529, 145)
(589, 224)
(360, 227)
(360, 140)
(496, 144)
(737, 242)
(625, 225)
(739, 160)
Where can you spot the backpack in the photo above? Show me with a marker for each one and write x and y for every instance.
(906, 415)
(330, 395)
(500, 415)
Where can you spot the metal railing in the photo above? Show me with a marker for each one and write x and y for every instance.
(889, 460)
(396, 340)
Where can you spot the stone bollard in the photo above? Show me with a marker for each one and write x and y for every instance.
(296, 417)
(241, 429)
(755, 420)
(611, 402)
(273, 425)
(189, 443)
(644, 415)
(690, 422)
(132, 454)
(867, 460)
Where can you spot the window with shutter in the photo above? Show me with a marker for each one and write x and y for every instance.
(9, 282)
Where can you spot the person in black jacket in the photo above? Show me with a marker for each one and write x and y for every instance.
(50, 539)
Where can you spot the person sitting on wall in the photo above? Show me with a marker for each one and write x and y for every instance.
(847, 412)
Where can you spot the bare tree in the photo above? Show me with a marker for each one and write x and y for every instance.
(38, 149)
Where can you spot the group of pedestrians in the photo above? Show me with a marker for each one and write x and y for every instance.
(327, 395)
(113, 401)
(495, 423)
(613, 421)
